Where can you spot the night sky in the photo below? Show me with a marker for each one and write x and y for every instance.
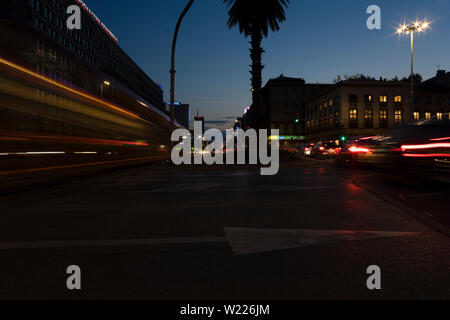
(319, 41)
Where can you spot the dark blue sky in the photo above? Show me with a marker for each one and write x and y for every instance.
(319, 40)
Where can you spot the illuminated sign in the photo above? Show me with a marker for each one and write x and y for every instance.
(287, 138)
(94, 17)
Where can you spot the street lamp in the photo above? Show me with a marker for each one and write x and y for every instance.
(105, 83)
(418, 26)
(172, 71)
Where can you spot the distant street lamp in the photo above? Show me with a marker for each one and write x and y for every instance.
(105, 83)
(172, 71)
(412, 28)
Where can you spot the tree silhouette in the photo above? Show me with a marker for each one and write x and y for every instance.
(255, 18)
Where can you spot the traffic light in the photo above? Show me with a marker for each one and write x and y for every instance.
(296, 118)
(343, 138)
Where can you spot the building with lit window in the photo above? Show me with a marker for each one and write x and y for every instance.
(34, 34)
(357, 107)
(432, 97)
(285, 101)
(370, 107)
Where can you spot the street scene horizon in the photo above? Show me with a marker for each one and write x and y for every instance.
(224, 156)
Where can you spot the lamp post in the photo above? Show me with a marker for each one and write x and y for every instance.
(412, 28)
(105, 83)
(172, 71)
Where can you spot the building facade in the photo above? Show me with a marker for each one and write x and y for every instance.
(432, 97)
(34, 34)
(370, 107)
(182, 114)
(285, 100)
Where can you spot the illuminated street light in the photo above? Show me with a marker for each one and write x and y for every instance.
(105, 83)
(418, 26)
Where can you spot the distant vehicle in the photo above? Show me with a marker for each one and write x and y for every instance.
(323, 150)
(423, 146)
(365, 150)
(305, 149)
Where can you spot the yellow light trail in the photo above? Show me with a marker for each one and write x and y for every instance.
(80, 93)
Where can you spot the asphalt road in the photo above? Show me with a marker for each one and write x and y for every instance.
(162, 232)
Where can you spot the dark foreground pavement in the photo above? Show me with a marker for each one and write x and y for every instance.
(158, 232)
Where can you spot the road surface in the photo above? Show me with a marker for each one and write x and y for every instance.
(162, 232)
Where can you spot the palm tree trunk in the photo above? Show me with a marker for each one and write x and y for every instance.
(256, 53)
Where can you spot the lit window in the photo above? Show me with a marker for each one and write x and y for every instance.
(427, 115)
(368, 116)
(383, 118)
(353, 113)
(383, 99)
(398, 99)
(439, 116)
(417, 116)
(398, 116)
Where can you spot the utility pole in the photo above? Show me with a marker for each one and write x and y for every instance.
(172, 72)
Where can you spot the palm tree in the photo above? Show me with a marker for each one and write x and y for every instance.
(255, 18)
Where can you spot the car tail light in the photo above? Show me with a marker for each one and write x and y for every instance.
(426, 155)
(440, 139)
(425, 146)
(359, 150)
(322, 149)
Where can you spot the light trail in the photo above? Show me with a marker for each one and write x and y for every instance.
(425, 146)
(80, 165)
(59, 85)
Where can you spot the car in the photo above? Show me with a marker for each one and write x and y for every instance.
(423, 146)
(324, 150)
(366, 150)
(305, 149)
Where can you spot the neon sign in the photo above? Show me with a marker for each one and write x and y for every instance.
(94, 17)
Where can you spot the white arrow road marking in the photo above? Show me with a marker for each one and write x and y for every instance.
(248, 241)
(242, 241)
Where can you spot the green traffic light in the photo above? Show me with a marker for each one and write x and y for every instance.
(343, 138)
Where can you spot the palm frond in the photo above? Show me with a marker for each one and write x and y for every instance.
(252, 15)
